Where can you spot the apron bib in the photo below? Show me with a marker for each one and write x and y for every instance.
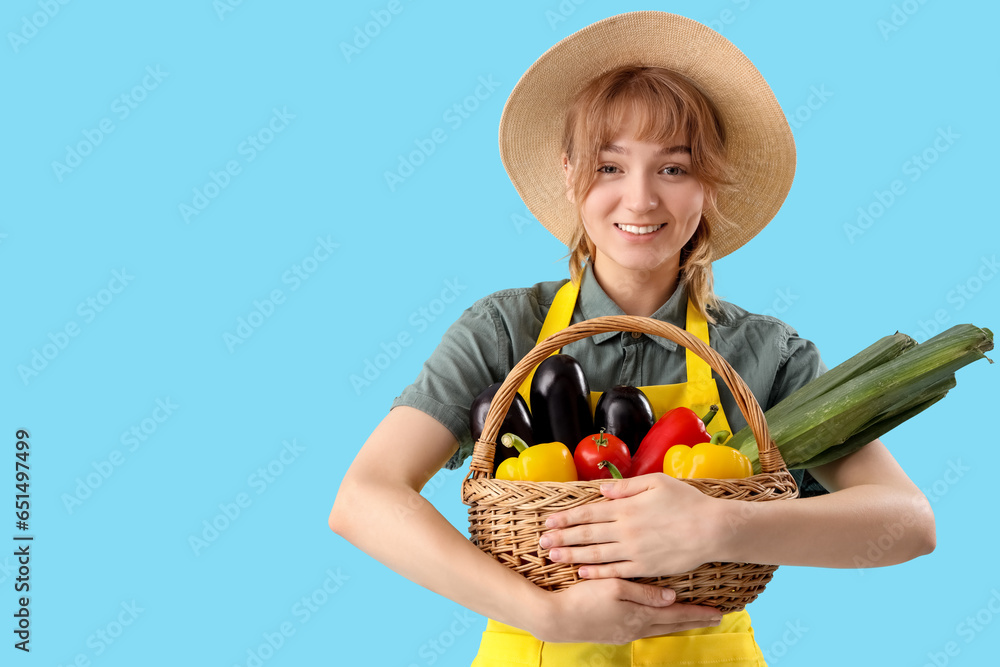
(731, 643)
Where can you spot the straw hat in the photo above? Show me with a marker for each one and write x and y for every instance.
(759, 142)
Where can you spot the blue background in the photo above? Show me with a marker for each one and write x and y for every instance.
(230, 73)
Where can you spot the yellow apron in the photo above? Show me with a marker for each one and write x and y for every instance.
(731, 643)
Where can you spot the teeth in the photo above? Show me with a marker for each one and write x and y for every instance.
(632, 229)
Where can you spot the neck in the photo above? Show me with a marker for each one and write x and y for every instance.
(638, 293)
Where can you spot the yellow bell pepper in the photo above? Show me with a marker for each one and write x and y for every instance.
(547, 462)
(707, 460)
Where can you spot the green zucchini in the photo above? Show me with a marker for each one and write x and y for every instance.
(879, 388)
(883, 425)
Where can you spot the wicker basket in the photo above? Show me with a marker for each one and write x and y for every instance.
(506, 518)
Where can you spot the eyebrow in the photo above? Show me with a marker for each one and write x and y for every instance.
(615, 148)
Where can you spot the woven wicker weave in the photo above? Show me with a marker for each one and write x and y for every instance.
(506, 518)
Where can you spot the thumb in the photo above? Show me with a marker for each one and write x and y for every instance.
(648, 595)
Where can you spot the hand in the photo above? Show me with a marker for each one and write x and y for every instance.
(652, 525)
(614, 611)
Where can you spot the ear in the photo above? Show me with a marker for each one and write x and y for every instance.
(568, 171)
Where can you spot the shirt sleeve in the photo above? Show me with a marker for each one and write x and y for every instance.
(800, 364)
(471, 356)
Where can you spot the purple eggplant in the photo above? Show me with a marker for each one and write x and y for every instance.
(626, 412)
(560, 402)
(517, 421)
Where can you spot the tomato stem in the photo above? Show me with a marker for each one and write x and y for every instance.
(615, 474)
(600, 439)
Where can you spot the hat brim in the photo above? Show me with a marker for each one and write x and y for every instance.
(759, 142)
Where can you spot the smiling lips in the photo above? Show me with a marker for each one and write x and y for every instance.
(638, 231)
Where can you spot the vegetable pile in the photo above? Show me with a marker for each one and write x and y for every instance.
(559, 439)
(628, 440)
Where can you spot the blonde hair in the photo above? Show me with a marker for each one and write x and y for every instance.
(666, 103)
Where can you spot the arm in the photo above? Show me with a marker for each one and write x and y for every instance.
(872, 501)
(379, 509)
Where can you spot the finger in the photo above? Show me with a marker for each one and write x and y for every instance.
(624, 569)
(628, 487)
(592, 553)
(670, 628)
(685, 613)
(662, 619)
(588, 533)
(589, 513)
(645, 594)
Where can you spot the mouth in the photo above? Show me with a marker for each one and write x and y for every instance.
(637, 230)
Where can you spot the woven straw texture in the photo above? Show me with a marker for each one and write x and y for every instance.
(506, 518)
(758, 139)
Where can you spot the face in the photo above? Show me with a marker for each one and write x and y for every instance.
(643, 206)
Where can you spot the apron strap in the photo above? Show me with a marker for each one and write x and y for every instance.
(561, 312)
(557, 319)
(698, 369)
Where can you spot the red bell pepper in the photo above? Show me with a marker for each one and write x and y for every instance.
(680, 426)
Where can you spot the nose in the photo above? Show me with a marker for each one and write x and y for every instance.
(639, 195)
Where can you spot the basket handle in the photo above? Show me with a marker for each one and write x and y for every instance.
(482, 455)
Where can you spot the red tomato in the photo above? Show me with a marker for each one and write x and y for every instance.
(601, 447)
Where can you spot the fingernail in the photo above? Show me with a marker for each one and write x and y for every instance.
(554, 554)
(668, 594)
(545, 542)
(550, 523)
(583, 573)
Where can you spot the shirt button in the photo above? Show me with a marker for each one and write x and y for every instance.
(636, 334)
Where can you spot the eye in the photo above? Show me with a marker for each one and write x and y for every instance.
(674, 171)
(606, 169)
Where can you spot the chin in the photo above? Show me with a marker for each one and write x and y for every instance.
(643, 262)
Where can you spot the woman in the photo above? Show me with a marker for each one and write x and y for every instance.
(651, 146)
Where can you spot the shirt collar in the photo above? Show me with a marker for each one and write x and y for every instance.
(593, 302)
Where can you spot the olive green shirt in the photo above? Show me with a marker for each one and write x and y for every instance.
(493, 334)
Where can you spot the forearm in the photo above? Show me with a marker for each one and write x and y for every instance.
(398, 527)
(867, 525)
